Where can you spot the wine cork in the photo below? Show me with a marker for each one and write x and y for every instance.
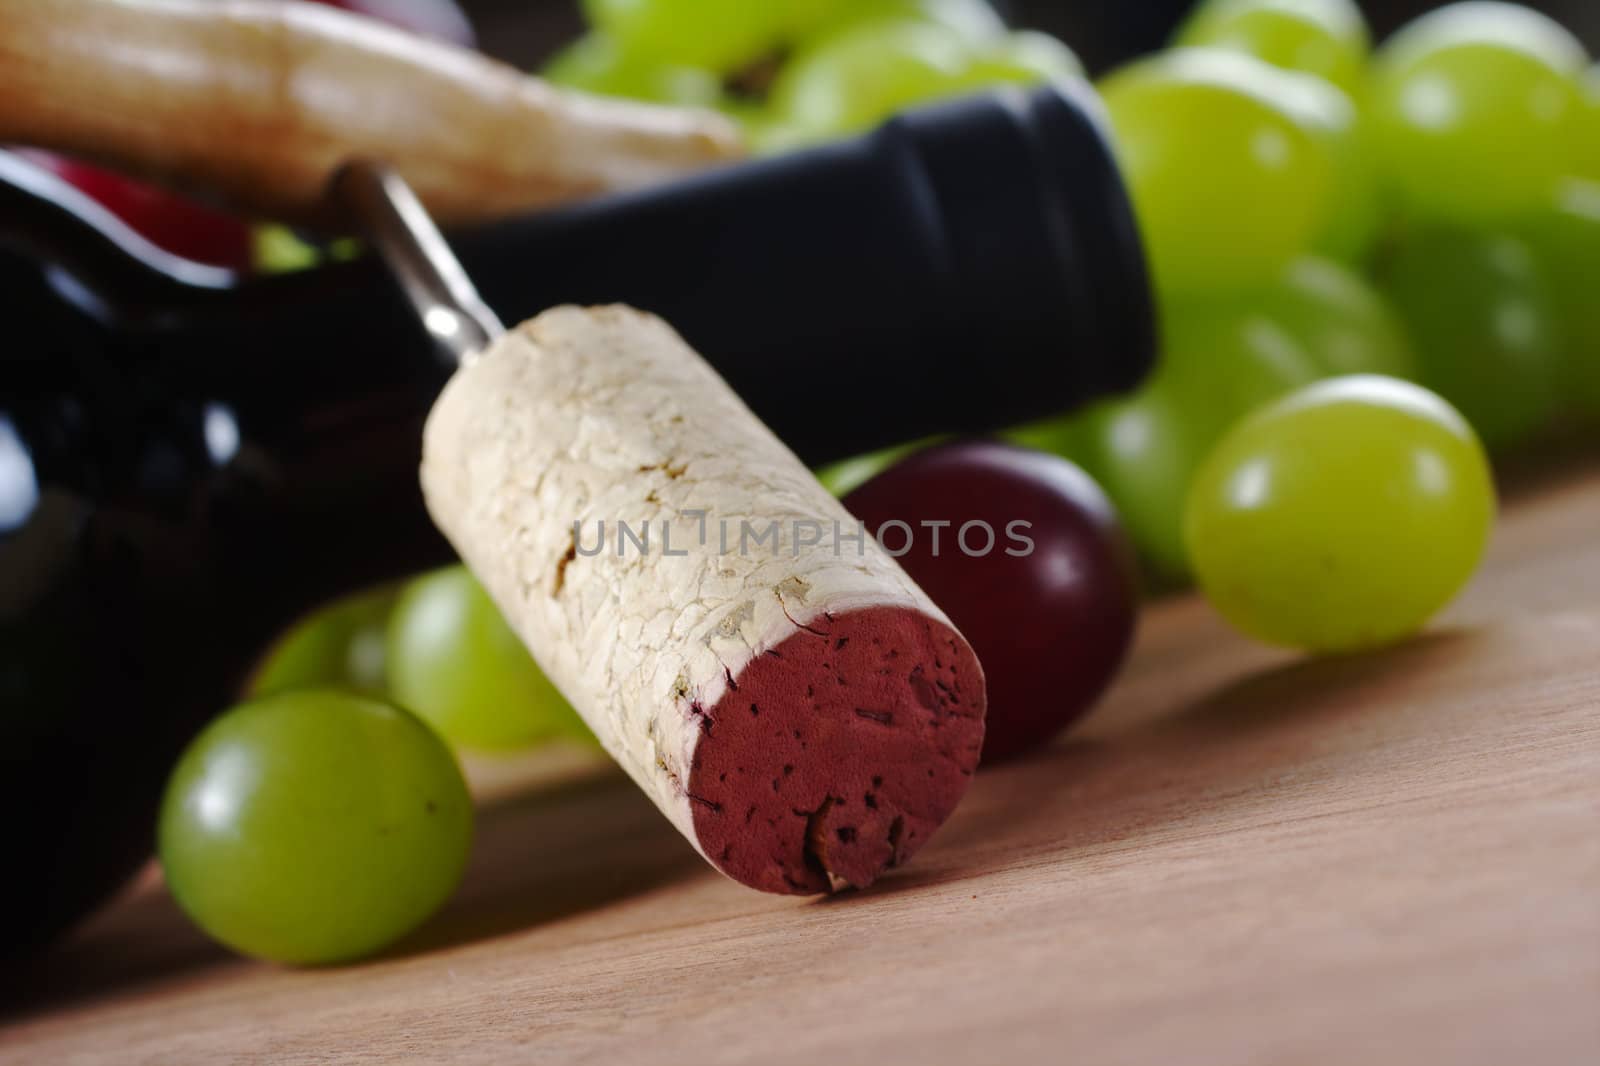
(775, 682)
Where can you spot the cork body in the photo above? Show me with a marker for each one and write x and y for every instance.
(667, 560)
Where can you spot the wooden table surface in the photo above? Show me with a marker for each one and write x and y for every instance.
(1244, 857)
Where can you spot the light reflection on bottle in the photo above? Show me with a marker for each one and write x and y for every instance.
(221, 432)
(19, 487)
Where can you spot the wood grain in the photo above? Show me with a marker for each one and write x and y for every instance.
(1245, 857)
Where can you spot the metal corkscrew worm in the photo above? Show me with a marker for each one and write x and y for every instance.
(410, 244)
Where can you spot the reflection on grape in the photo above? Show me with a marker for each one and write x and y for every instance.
(1476, 111)
(314, 827)
(1229, 178)
(1049, 607)
(338, 646)
(1328, 38)
(1342, 517)
(453, 660)
(1478, 311)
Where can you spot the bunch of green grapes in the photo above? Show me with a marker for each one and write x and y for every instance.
(326, 817)
(436, 646)
(1421, 211)
(1425, 210)
(796, 72)
(1314, 207)
(1486, 128)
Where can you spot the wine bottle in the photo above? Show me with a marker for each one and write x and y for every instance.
(187, 463)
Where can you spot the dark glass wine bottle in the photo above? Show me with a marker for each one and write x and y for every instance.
(187, 464)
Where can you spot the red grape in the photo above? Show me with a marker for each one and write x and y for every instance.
(169, 221)
(1051, 625)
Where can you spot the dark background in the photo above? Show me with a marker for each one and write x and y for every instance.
(1104, 33)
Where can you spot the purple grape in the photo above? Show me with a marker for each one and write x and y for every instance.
(1032, 567)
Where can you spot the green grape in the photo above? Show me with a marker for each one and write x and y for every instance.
(1356, 217)
(774, 137)
(1350, 217)
(805, 18)
(1226, 361)
(1339, 318)
(341, 645)
(314, 827)
(1478, 312)
(814, 22)
(846, 475)
(277, 249)
(1219, 363)
(1476, 111)
(976, 19)
(1565, 241)
(719, 35)
(454, 661)
(1587, 164)
(1328, 38)
(887, 56)
(1342, 517)
(595, 64)
(1067, 436)
(1228, 178)
(1143, 451)
(345, 249)
(861, 77)
(1024, 58)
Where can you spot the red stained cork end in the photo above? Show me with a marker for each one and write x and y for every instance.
(834, 756)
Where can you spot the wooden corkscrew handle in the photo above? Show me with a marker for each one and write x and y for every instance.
(258, 102)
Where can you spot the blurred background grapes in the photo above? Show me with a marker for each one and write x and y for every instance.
(526, 32)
